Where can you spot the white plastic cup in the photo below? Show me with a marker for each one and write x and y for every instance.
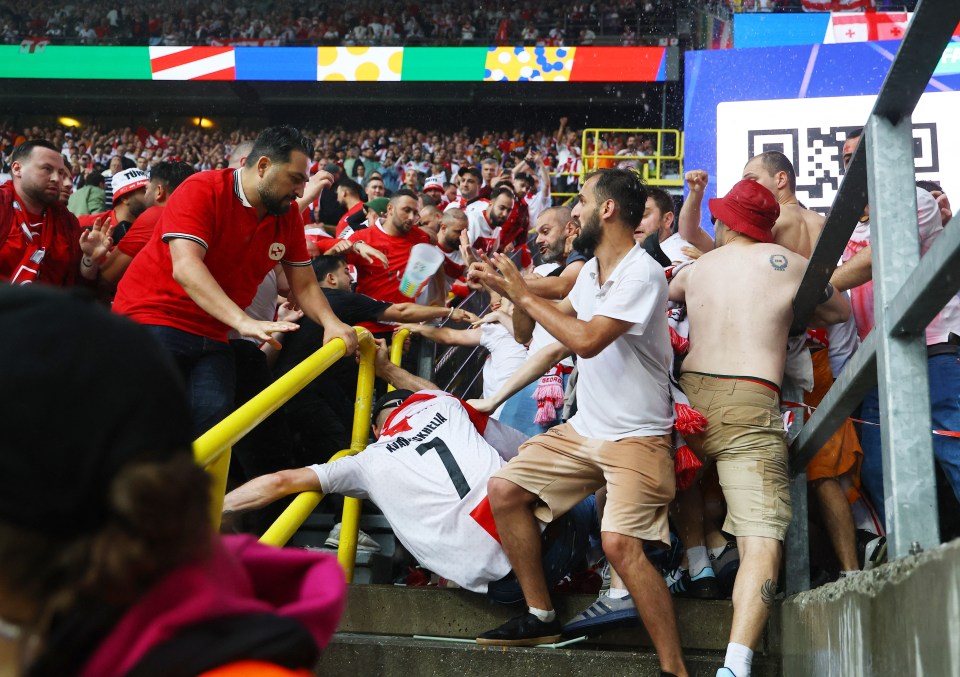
(424, 261)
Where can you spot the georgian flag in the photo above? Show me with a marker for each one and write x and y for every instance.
(868, 26)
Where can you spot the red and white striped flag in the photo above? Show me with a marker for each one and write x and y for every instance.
(193, 63)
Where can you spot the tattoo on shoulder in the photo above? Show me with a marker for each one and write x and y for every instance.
(778, 261)
(768, 592)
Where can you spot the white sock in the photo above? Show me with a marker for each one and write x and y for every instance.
(738, 659)
(716, 552)
(618, 593)
(543, 614)
(697, 559)
(848, 574)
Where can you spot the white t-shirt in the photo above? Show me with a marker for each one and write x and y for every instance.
(673, 246)
(428, 473)
(477, 218)
(262, 307)
(506, 356)
(624, 391)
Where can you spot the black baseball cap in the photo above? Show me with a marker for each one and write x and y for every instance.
(391, 400)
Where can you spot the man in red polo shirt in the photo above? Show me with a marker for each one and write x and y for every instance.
(220, 234)
(395, 237)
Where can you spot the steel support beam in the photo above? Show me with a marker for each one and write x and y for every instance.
(908, 474)
(929, 288)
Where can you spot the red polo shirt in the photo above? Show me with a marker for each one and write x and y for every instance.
(209, 208)
(141, 231)
(382, 283)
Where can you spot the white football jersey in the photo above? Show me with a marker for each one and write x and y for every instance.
(428, 473)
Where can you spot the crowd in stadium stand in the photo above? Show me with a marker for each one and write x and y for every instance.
(371, 22)
(630, 359)
(393, 153)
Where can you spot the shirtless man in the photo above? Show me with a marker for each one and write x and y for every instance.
(797, 228)
(732, 376)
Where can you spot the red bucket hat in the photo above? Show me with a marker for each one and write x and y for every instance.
(748, 208)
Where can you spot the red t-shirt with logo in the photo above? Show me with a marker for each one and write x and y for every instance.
(141, 231)
(209, 208)
(382, 283)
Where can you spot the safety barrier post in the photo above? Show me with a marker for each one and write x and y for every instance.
(350, 521)
(212, 449)
(396, 350)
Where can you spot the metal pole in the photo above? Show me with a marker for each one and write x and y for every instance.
(908, 474)
(797, 541)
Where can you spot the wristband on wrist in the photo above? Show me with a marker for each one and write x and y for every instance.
(827, 294)
(450, 314)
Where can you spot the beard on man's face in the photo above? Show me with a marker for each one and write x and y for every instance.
(274, 204)
(590, 233)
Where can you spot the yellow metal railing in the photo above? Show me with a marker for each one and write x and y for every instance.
(212, 449)
(650, 166)
(287, 524)
(396, 350)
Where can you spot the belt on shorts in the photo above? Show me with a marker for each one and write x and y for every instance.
(749, 379)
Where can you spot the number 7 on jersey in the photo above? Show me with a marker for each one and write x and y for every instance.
(449, 462)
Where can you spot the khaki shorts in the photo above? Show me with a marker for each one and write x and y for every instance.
(562, 467)
(745, 437)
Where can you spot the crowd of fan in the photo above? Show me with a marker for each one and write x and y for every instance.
(657, 313)
(282, 22)
(393, 153)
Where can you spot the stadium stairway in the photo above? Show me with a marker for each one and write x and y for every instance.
(385, 627)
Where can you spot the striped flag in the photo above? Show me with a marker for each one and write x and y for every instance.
(193, 63)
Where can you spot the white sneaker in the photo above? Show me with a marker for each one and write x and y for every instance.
(364, 542)
(875, 553)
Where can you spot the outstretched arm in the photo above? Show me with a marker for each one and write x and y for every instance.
(398, 377)
(688, 223)
(266, 489)
(535, 367)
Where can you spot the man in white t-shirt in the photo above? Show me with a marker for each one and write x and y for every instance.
(615, 321)
(428, 473)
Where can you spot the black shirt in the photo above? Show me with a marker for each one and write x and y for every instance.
(298, 345)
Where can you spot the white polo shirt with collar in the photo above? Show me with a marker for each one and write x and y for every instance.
(624, 391)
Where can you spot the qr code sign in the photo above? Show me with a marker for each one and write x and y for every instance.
(811, 132)
(817, 157)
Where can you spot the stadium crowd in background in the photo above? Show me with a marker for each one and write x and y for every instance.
(283, 22)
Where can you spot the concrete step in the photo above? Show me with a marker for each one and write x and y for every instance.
(399, 611)
(350, 655)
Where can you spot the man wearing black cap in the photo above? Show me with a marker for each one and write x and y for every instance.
(732, 376)
(468, 189)
(351, 197)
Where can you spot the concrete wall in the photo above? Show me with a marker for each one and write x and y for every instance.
(900, 619)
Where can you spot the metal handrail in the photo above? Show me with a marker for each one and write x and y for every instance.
(291, 519)
(212, 449)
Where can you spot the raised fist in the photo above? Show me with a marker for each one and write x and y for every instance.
(696, 179)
